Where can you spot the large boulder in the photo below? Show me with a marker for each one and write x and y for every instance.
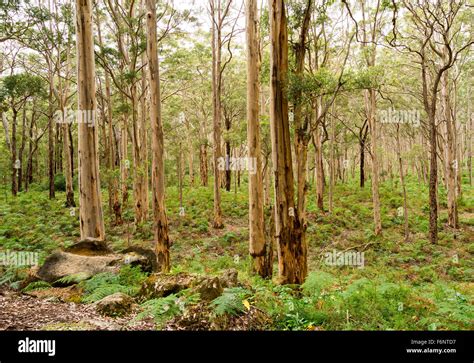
(139, 256)
(210, 288)
(90, 257)
(161, 284)
(89, 247)
(117, 304)
(64, 294)
(61, 264)
(229, 278)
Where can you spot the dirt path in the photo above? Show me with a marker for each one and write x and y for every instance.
(22, 312)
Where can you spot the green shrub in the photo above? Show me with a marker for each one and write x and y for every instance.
(316, 282)
(59, 183)
(231, 301)
(127, 281)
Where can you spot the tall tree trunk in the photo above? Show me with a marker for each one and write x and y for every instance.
(115, 207)
(14, 153)
(66, 141)
(290, 236)
(451, 164)
(301, 122)
(331, 164)
(371, 110)
(51, 141)
(228, 172)
(140, 186)
(90, 201)
(319, 167)
(158, 175)
(22, 148)
(258, 246)
(29, 164)
(67, 168)
(203, 170)
(190, 155)
(362, 142)
(433, 180)
(470, 119)
(217, 113)
(142, 132)
(402, 182)
(124, 162)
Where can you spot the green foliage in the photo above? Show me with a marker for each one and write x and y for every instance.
(231, 301)
(404, 285)
(453, 308)
(37, 285)
(293, 312)
(59, 182)
(8, 277)
(317, 281)
(22, 85)
(105, 290)
(165, 308)
(161, 309)
(229, 237)
(311, 85)
(127, 281)
(72, 279)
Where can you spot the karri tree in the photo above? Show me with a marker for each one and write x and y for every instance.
(292, 249)
(260, 249)
(162, 242)
(90, 200)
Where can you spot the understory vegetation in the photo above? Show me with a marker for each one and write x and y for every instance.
(402, 285)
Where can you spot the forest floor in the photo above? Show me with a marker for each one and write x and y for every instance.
(402, 285)
(24, 312)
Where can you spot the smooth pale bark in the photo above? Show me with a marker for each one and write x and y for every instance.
(63, 93)
(228, 173)
(451, 164)
(203, 168)
(140, 185)
(318, 160)
(124, 162)
(157, 145)
(30, 148)
(362, 142)
(140, 172)
(90, 204)
(470, 119)
(14, 153)
(289, 234)
(22, 147)
(51, 139)
(142, 133)
(433, 181)
(331, 164)
(430, 104)
(402, 181)
(369, 47)
(67, 157)
(258, 246)
(459, 156)
(301, 122)
(370, 107)
(266, 183)
(114, 200)
(179, 172)
(217, 110)
(189, 137)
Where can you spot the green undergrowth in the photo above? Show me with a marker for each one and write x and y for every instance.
(403, 284)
